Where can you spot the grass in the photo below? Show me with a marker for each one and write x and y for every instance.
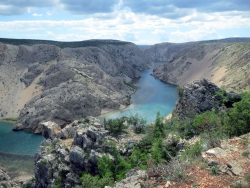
(245, 153)
(214, 171)
(10, 119)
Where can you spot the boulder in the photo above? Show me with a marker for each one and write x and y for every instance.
(235, 168)
(217, 152)
(77, 157)
(50, 129)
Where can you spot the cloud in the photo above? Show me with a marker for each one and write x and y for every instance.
(193, 35)
(174, 9)
(35, 14)
(89, 6)
(18, 7)
(7, 10)
(29, 3)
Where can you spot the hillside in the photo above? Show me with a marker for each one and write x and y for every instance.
(45, 82)
(225, 63)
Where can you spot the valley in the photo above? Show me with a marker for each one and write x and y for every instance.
(55, 88)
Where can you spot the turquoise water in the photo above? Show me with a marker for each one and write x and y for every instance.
(151, 97)
(20, 142)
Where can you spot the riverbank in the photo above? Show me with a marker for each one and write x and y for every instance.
(9, 120)
(20, 168)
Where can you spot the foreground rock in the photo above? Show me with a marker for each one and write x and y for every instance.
(48, 83)
(67, 153)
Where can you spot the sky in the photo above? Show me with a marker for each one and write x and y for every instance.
(137, 21)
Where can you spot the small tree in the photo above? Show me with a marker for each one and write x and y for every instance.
(115, 126)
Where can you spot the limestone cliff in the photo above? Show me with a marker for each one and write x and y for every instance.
(224, 62)
(44, 82)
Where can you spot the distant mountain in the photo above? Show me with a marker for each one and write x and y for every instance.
(225, 62)
(77, 44)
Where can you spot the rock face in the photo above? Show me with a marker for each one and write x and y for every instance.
(48, 83)
(223, 62)
(166, 51)
(195, 98)
(64, 158)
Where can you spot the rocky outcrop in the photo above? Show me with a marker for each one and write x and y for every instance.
(195, 98)
(5, 180)
(64, 159)
(44, 82)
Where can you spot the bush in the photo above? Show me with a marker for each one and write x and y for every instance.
(89, 181)
(138, 124)
(159, 128)
(247, 178)
(180, 91)
(214, 171)
(115, 126)
(192, 152)
(239, 117)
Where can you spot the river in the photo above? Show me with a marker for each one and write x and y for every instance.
(152, 96)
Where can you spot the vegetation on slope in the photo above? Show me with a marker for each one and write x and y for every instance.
(158, 153)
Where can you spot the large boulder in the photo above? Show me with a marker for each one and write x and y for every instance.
(195, 98)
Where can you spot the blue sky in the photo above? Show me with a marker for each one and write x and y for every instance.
(138, 21)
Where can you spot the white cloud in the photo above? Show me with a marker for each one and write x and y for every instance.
(35, 14)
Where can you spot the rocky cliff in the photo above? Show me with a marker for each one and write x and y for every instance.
(224, 62)
(44, 82)
(67, 153)
(166, 51)
(196, 97)
(200, 96)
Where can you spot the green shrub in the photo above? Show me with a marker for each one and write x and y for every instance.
(180, 91)
(58, 183)
(207, 121)
(245, 153)
(138, 124)
(89, 181)
(239, 117)
(214, 170)
(116, 126)
(194, 151)
(247, 178)
(159, 127)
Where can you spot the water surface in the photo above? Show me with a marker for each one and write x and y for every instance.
(21, 142)
(151, 97)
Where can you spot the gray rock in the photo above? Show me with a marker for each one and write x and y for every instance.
(196, 97)
(217, 152)
(235, 168)
(180, 146)
(50, 129)
(77, 157)
(223, 168)
(212, 162)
